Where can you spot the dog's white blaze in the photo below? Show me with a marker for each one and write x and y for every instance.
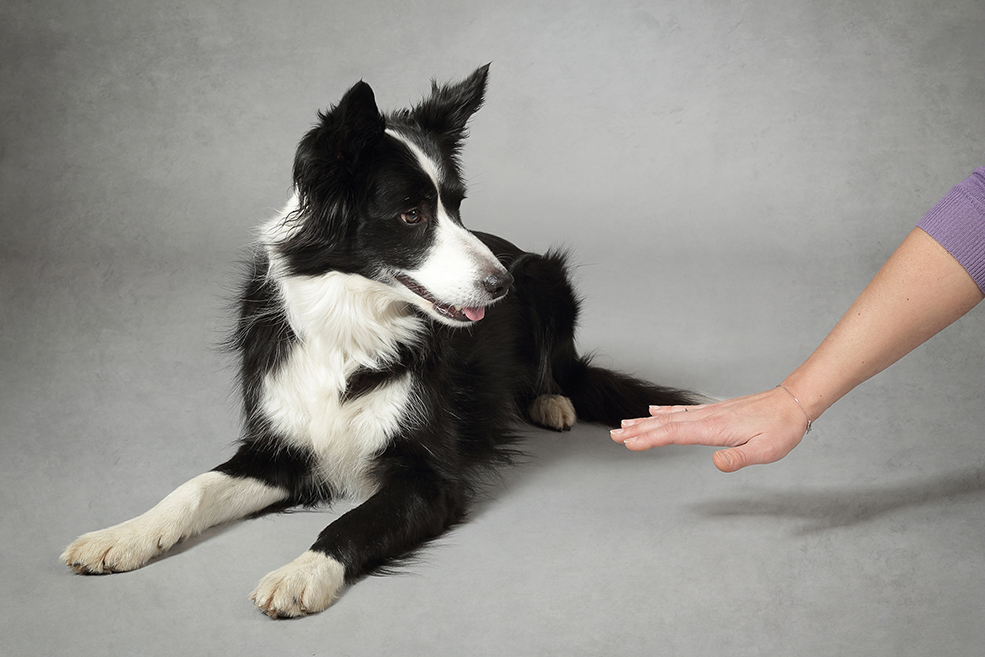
(459, 251)
(429, 166)
(458, 261)
(343, 322)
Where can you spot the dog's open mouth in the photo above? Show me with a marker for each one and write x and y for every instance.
(458, 313)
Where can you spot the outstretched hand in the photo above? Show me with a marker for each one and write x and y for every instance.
(755, 429)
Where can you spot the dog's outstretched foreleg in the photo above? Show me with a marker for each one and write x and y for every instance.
(209, 499)
(398, 519)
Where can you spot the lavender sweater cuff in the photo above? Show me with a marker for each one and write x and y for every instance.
(957, 222)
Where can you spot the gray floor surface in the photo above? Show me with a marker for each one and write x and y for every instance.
(727, 176)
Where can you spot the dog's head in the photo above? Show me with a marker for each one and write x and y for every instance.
(379, 196)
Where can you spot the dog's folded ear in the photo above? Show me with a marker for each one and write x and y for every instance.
(446, 112)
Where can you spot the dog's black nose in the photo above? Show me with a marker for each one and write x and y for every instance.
(497, 284)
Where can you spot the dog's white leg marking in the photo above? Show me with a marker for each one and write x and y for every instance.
(553, 411)
(307, 585)
(196, 505)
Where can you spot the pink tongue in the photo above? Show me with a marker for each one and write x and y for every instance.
(475, 314)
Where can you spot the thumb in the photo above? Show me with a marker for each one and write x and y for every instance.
(730, 460)
(751, 453)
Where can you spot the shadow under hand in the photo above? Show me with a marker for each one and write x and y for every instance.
(824, 510)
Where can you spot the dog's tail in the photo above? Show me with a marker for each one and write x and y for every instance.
(606, 397)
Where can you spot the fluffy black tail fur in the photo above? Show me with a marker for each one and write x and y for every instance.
(604, 396)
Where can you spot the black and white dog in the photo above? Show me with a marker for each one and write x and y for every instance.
(386, 352)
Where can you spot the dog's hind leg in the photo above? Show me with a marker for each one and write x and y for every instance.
(553, 411)
(548, 310)
(208, 499)
(567, 383)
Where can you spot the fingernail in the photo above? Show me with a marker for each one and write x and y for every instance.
(654, 408)
(615, 432)
(628, 423)
(629, 440)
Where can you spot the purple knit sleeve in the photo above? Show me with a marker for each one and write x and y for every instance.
(957, 222)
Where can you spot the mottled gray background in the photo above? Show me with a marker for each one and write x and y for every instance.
(728, 175)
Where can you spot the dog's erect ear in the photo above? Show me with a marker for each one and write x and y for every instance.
(344, 138)
(446, 112)
(329, 170)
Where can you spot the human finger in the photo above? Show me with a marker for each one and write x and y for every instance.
(683, 428)
(666, 410)
(631, 427)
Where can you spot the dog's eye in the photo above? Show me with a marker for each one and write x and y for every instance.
(412, 217)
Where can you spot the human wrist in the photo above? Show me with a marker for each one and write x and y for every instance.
(813, 398)
(807, 417)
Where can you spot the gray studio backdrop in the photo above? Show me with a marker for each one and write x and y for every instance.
(727, 176)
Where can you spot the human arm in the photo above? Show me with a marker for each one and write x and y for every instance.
(919, 291)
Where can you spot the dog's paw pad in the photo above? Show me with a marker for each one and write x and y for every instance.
(307, 585)
(553, 411)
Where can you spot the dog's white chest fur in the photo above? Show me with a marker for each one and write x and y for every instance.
(343, 323)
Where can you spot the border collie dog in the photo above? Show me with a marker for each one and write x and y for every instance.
(386, 353)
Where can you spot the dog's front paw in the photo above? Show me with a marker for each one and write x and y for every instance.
(553, 411)
(307, 585)
(117, 549)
